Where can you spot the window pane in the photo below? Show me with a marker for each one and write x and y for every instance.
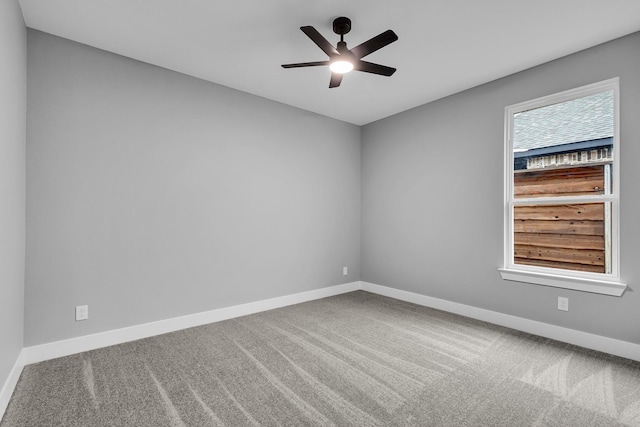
(561, 149)
(567, 236)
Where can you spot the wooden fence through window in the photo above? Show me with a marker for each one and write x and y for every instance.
(567, 236)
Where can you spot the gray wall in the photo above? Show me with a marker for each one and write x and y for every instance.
(13, 93)
(152, 195)
(432, 196)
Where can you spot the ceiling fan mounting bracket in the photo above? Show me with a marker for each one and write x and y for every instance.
(341, 25)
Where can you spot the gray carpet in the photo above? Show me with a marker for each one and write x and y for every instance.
(354, 359)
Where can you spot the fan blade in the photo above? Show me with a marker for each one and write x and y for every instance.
(318, 39)
(336, 79)
(369, 67)
(306, 64)
(371, 45)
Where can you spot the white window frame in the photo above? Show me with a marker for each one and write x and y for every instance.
(601, 283)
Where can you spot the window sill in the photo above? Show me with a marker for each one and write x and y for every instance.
(604, 287)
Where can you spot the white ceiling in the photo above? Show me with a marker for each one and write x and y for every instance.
(444, 46)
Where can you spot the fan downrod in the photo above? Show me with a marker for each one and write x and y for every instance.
(341, 25)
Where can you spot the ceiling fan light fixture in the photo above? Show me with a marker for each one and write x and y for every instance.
(341, 66)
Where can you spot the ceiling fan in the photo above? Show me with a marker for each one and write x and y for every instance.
(342, 60)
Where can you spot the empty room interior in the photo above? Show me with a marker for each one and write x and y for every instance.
(204, 222)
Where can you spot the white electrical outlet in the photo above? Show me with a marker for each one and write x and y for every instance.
(563, 303)
(345, 271)
(82, 312)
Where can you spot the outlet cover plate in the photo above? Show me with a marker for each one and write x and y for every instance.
(563, 303)
(82, 312)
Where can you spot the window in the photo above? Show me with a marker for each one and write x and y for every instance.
(562, 190)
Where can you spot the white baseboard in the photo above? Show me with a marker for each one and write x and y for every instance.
(559, 333)
(10, 384)
(39, 353)
(71, 346)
